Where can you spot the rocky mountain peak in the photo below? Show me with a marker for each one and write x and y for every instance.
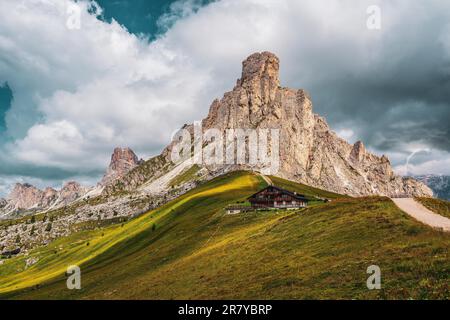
(71, 186)
(385, 159)
(48, 197)
(50, 191)
(20, 188)
(122, 161)
(70, 191)
(261, 66)
(310, 152)
(25, 196)
(123, 157)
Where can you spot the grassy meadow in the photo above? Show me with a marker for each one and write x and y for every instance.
(191, 249)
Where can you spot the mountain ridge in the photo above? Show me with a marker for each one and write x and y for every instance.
(25, 196)
(310, 152)
(440, 184)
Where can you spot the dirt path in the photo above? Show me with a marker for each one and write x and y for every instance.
(422, 214)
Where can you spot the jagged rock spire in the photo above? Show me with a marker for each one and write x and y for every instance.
(263, 66)
(122, 161)
(358, 152)
(310, 152)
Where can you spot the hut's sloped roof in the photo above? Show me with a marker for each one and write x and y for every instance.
(292, 194)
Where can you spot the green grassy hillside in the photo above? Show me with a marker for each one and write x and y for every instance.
(190, 248)
(305, 190)
(438, 206)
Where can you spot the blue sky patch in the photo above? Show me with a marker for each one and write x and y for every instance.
(138, 16)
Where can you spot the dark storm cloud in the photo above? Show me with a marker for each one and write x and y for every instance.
(12, 172)
(388, 115)
(42, 172)
(5, 104)
(394, 93)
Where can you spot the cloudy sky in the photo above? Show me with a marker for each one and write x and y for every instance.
(130, 72)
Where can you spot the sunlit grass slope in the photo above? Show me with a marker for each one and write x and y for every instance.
(438, 206)
(305, 190)
(197, 251)
(82, 247)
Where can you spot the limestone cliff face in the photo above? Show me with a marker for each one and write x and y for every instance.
(310, 152)
(123, 160)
